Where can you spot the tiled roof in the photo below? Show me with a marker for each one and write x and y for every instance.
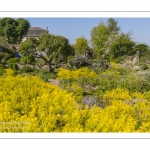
(35, 28)
(35, 31)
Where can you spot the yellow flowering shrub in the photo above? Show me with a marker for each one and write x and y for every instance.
(115, 118)
(137, 95)
(69, 80)
(9, 72)
(28, 104)
(76, 90)
(116, 94)
(147, 95)
(142, 109)
(114, 65)
(110, 72)
(75, 74)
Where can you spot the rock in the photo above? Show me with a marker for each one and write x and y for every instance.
(147, 61)
(89, 100)
(137, 68)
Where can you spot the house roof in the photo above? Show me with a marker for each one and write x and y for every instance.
(35, 31)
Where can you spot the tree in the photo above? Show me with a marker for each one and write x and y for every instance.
(113, 25)
(107, 45)
(48, 47)
(99, 35)
(29, 49)
(81, 45)
(64, 50)
(143, 48)
(8, 29)
(123, 45)
(22, 28)
(6, 51)
(13, 29)
(3, 42)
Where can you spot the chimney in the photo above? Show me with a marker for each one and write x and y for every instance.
(47, 29)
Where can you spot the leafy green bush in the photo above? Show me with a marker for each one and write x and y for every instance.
(13, 66)
(143, 59)
(145, 76)
(45, 75)
(124, 71)
(1, 66)
(13, 60)
(122, 58)
(26, 69)
(144, 67)
(2, 71)
(134, 83)
(27, 60)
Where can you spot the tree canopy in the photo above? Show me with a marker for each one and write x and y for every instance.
(99, 35)
(48, 47)
(81, 45)
(107, 40)
(113, 25)
(13, 29)
(123, 45)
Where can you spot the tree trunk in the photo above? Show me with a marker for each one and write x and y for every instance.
(50, 67)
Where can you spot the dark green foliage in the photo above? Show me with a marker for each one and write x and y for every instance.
(29, 47)
(143, 48)
(27, 60)
(50, 48)
(6, 55)
(45, 75)
(143, 59)
(2, 71)
(13, 66)
(22, 28)
(13, 60)
(122, 46)
(145, 76)
(13, 29)
(7, 52)
(26, 69)
(134, 83)
(113, 25)
(144, 67)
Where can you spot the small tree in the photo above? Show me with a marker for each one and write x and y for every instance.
(113, 25)
(81, 45)
(143, 48)
(123, 45)
(6, 51)
(48, 47)
(99, 35)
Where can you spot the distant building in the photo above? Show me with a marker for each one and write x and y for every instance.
(34, 32)
(89, 52)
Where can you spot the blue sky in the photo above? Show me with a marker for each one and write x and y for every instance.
(73, 28)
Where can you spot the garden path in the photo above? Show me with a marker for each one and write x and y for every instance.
(54, 81)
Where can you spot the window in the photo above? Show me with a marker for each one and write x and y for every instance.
(34, 32)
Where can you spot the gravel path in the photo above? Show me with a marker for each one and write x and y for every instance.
(54, 81)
